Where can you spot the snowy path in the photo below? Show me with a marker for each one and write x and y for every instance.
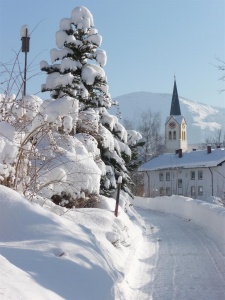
(179, 262)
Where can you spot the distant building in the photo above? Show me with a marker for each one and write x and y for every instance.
(197, 174)
(175, 126)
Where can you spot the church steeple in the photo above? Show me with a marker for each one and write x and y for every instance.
(175, 104)
(175, 126)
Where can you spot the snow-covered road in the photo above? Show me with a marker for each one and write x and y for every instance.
(179, 262)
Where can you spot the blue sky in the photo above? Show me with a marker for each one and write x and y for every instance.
(146, 41)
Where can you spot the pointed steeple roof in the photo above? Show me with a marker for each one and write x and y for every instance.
(175, 104)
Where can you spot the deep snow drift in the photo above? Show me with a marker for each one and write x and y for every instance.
(81, 254)
(49, 252)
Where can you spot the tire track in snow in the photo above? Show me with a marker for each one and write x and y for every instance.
(182, 262)
(211, 248)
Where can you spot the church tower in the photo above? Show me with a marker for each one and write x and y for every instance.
(175, 126)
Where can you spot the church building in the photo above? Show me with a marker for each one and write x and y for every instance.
(197, 174)
(175, 126)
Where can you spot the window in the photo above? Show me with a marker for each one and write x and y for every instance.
(183, 135)
(170, 135)
(200, 190)
(192, 175)
(200, 175)
(168, 191)
(180, 190)
(161, 191)
(161, 176)
(167, 176)
(179, 183)
(193, 191)
(174, 135)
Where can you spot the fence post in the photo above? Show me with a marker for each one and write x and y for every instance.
(119, 181)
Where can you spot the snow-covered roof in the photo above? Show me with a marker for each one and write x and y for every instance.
(194, 159)
(178, 119)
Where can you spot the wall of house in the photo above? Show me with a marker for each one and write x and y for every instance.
(200, 183)
(219, 181)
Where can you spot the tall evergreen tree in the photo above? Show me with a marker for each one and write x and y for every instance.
(79, 74)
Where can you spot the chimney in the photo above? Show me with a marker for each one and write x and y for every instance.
(209, 149)
(180, 153)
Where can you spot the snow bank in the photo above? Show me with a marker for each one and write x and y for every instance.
(81, 254)
(209, 216)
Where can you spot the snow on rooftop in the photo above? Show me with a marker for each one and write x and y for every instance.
(192, 159)
(178, 119)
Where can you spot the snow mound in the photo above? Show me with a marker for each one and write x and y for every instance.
(209, 216)
(58, 257)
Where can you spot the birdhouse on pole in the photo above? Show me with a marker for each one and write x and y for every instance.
(25, 39)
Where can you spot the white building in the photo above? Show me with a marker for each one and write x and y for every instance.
(197, 174)
(176, 134)
(175, 126)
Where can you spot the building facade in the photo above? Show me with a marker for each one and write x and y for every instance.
(197, 174)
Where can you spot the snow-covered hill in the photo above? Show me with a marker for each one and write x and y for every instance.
(203, 120)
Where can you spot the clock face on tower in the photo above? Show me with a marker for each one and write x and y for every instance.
(183, 125)
(172, 125)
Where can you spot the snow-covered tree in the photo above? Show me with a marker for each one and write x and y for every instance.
(77, 72)
(136, 144)
(78, 42)
(36, 158)
(148, 145)
(217, 139)
(149, 126)
(8, 153)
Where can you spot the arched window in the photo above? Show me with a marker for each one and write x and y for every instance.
(174, 135)
(170, 135)
(184, 136)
